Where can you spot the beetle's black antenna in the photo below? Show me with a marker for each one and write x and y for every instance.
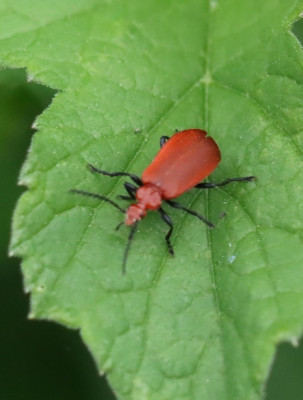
(130, 238)
(134, 177)
(98, 196)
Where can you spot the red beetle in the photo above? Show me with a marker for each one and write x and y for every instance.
(183, 161)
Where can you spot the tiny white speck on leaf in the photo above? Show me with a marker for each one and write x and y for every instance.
(231, 259)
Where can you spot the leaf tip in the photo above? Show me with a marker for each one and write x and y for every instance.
(11, 253)
(30, 78)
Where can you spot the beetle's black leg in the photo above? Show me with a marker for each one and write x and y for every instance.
(97, 196)
(209, 185)
(119, 225)
(135, 178)
(131, 190)
(192, 212)
(122, 197)
(129, 242)
(166, 218)
(163, 140)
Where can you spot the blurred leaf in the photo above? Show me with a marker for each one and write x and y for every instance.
(19, 104)
(44, 359)
(203, 324)
(285, 380)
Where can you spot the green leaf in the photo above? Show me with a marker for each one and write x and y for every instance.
(204, 324)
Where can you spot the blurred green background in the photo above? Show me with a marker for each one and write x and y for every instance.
(38, 359)
(41, 359)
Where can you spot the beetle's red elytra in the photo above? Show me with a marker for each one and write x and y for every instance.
(183, 161)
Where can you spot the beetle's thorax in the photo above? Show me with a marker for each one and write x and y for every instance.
(148, 197)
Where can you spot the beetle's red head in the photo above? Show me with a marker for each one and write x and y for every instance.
(148, 197)
(134, 213)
